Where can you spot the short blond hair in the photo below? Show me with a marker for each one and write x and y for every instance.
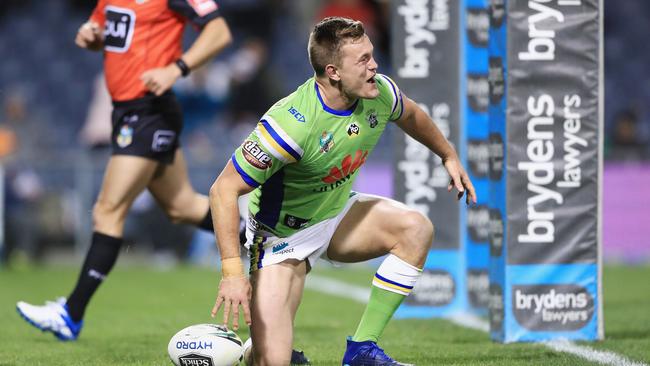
(326, 39)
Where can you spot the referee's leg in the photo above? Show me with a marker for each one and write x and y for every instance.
(125, 178)
(173, 191)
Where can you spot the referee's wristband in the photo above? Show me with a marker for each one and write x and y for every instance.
(185, 70)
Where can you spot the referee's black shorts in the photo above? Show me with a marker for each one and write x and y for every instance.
(149, 127)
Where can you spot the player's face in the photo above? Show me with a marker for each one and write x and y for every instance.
(358, 69)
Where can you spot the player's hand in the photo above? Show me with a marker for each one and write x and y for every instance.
(233, 292)
(159, 80)
(460, 180)
(89, 36)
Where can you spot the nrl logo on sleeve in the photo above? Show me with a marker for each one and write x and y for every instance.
(372, 118)
(255, 156)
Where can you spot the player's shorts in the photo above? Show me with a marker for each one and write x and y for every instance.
(148, 127)
(307, 244)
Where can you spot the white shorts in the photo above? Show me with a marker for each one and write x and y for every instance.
(310, 243)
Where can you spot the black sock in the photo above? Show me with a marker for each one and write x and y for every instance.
(206, 223)
(100, 259)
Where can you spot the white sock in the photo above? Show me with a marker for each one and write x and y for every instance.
(395, 275)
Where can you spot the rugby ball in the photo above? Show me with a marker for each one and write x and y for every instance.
(205, 345)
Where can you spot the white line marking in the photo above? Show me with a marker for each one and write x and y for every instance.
(361, 294)
(604, 357)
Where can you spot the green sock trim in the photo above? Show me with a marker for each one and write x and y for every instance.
(380, 309)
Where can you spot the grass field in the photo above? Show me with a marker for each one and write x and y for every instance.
(138, 310)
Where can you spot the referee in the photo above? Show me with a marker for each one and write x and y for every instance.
(143, 58)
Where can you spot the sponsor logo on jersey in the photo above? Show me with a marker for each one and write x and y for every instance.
(279, 247)
(163, 140)
(353, 130)
(195, 360)
(372, 118)
(125, 137)
(118, 29)
(297, 115)
(203, 7)
(326, 141)
(337, 176)
(255, 156)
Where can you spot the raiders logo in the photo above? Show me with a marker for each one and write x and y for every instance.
(118, 29)
(353, 130)
(255, 156)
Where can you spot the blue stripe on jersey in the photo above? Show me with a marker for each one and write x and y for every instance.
(401, 103)
(394, 93)
(343, 113)
(271, 200)
(392, 282)
(247, 178)
(279, 140)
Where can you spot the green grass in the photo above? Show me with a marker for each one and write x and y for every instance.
(138, 310)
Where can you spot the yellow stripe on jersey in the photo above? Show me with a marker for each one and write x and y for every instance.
(274, 148)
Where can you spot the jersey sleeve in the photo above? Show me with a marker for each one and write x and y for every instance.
(392, 95)
(198, 12)
(267, 149)
(98, 16)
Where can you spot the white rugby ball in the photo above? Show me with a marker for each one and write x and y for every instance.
(205, 345)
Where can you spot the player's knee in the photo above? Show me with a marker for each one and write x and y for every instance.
(417, 231)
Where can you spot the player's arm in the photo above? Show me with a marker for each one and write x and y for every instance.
(417, 124)
(214, 37)
(234, 288)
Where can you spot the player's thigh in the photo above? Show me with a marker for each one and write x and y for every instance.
(371, 228)
(172, 188)
(125, 177)
(277, 290)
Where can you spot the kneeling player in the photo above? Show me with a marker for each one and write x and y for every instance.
(300, 163)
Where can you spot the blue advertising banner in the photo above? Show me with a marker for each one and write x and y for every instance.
(475, 144)
(545, 77)
(427, 66)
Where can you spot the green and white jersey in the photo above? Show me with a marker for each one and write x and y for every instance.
(303, 155)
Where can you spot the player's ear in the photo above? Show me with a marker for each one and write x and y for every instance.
(332, 72)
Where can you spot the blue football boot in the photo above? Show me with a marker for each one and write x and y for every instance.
(367, 353)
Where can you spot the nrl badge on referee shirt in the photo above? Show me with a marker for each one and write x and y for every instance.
(125, 138)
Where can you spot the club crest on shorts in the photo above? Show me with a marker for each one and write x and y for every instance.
(326, 141)
(353, 130)
(372, 118)
(125, 137)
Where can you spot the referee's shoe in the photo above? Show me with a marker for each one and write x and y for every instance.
(51, 317)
